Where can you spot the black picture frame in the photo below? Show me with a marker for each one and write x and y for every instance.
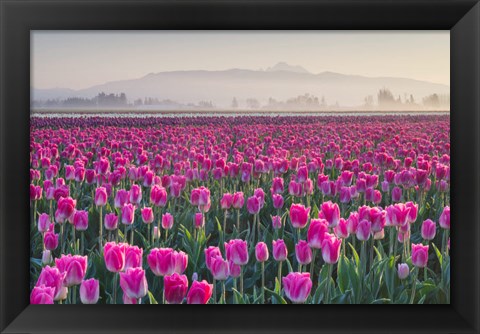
(18, 17)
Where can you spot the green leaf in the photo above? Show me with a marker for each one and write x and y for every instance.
(390, 273)
(279, 299)
(355, 255)
(439, 255)
(151, 298)
(238, 296)
(381, 301)
(342, 273)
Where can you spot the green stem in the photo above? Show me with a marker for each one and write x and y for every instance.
(312, 264)
(100, 230)
(327, 294)
(238, 220)
(74, 240)
(214, 291)
(241, 280)
(83, 243)
(414, 285)
(280, 272)
(224, 293)
(263, 282)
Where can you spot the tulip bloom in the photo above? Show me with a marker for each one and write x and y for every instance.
(42, 294)
(198, 220)
(101, 196)
(299, 215)
(261, 251)
(428, 229)
(121, 198)
(419, 255)
(303, 252)
(444, 220)
(316, 232)
(80, 220)
(238, 200)
(211, 252)
(253, 205)
(200, 292)
(134, 283)
(341, 230)
(128, 214)
(111, 221)
(276, 222)
(219, 268)
(181, 262)
(54, 278)
(330, 212)
(50, 239)
(236, 250)
(280, 251)
(90, 291)
(133, 257)
(158, 196)
(74, 266)
(167, 221)
(135, 194)
(403, 271)
(162, 261)
(226, 202)
(278, 201)
(114, 256)
(364, 229)
(43, 223)
(65, 208)
(175, 288)
(147, 215)
(331, 248)
(297, 286)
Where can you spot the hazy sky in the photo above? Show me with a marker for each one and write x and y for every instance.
(77, 60)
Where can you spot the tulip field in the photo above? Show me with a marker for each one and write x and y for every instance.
(240, 209)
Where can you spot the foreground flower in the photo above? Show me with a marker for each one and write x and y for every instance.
(330, 212)
(74, 266)
(52, 277)
(200, 292)
(175, 288)
(237, 251)
(161, 261)
(42, 294)
(114, 256)
(90, 291)
(297, 286)
(133, 257)
(100, 196)
(219, 268)
(419, 255)
(428, 229)
(403, 271)
(444, 220)
(134, 283)
(316, 232)
(261, 252)
(303, 252)
(331, 248)
(299, 215)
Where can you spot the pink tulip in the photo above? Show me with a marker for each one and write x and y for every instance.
(111, 221)
(352, 223)
(364, 229)
(90, 291)
(444, 219)
(316, 232)
(75, 267)
(147, 215)
(158, 196)
(299, 215)
(419, 255)
(133, 257)
(128, 214)
(330, 212)
(226, 202)
(101, 196)
(66, 208)
(235, 269)
(428, 229)
(135, 194)
(200, 292)
(134, 283)
(396, 194)
(50, 239)
(46, 257)
(377, 218)
(198, 220)
(341, 230)
(43, 223)
(219, 268)
(277, 186)
(397, 214)
(121, 198)
(52, 277)
(238, 200)
(261, 251)
(412, 214)
(167, 221)
(175, 288)
(277, 222)
(278, 201)
(181, 262)
(236, 250)
(303, 252)
(114, 256)
(80, 220)
(331, 248)
(162, 261)
(42, 294)
(403, 271)
(297, 286)
(211, 252)
(280, 251)
(253, 205)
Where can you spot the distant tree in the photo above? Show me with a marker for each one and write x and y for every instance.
(253, 103)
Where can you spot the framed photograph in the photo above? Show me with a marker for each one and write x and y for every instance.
(263, 154)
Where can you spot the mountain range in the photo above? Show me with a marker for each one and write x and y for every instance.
(279, 82)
